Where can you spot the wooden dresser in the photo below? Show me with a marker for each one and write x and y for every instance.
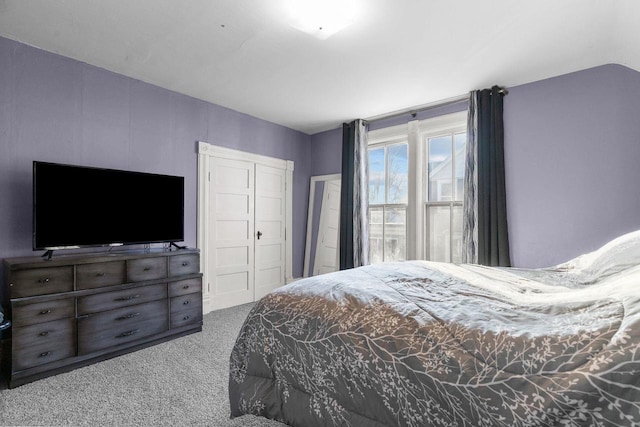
(74, 310)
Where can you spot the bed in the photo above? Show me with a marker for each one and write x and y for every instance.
(420, 343)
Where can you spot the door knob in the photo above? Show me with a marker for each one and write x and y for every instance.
(259, 234)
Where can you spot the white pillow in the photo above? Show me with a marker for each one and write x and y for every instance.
(616, 256)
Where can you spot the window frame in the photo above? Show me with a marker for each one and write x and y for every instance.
(384, 140)
(439, 129)
(415, 133)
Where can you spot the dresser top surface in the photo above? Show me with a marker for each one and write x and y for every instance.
(19, 263)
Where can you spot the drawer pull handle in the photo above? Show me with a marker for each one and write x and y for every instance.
(128, 333)
(147, 269)
(128, 316)
(186, 302)
(186, 318)
(185, 287)
(129, 298)
(44, 333)
(99, 274)
(45, 312)
(184, 264)
(44, 354)
(45, 280)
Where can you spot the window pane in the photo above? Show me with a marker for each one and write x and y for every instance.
(440, 157)
(395, 234)
(398, 177)
(456, 235)
(438, 225)
(375, 235)
(376, 176)
(460, 142)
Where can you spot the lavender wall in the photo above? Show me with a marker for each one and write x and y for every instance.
(572, 143)
(326, 152)
(57, 109)
(572, 147)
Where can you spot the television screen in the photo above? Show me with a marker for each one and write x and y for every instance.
(76, 206)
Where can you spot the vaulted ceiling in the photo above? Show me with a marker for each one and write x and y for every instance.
(396, 55)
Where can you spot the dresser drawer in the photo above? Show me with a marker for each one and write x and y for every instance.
(118, 299)
(40, 281)
(97, 275)
(186, 309)
(146, 269)
(183, 287)
(187, 317)
(121, 326)
(184, 264)
(185, 302)
(29, 314)
(43, 343)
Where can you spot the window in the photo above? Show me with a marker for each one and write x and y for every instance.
(416, 188)
(445, 192)
(388, 198)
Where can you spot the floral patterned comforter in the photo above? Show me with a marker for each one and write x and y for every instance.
(429, 344)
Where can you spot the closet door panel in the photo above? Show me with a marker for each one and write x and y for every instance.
(270, 226)
(243, 215)
(232, 220)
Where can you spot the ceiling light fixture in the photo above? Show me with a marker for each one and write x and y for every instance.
(321, 18)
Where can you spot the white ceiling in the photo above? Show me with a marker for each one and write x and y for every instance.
(398, 54)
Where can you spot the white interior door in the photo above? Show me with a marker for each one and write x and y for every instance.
(232, 219)
(238, 191)
(270, 228)
(327, 247)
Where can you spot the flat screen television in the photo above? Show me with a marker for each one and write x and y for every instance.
(78, 206)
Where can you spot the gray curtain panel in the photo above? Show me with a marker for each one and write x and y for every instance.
(485, 232)
(354, 223)
(470, 202)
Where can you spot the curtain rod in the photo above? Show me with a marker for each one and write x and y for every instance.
(415, 110)
(425, 107)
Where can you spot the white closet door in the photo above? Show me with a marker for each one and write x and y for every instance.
(231, 198)
(239, 195)
(270, 216)
(328, 244)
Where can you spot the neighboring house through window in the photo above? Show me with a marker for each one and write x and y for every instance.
(416, 187)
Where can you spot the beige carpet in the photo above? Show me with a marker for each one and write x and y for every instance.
(183, 382)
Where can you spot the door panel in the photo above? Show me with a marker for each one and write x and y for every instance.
(269, 229)
(232, 222)
(233, 283)
(232, 256)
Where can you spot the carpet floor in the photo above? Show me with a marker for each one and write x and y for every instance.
(183, 382)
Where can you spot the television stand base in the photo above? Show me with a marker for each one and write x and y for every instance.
(48, 254)
(177, 246)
